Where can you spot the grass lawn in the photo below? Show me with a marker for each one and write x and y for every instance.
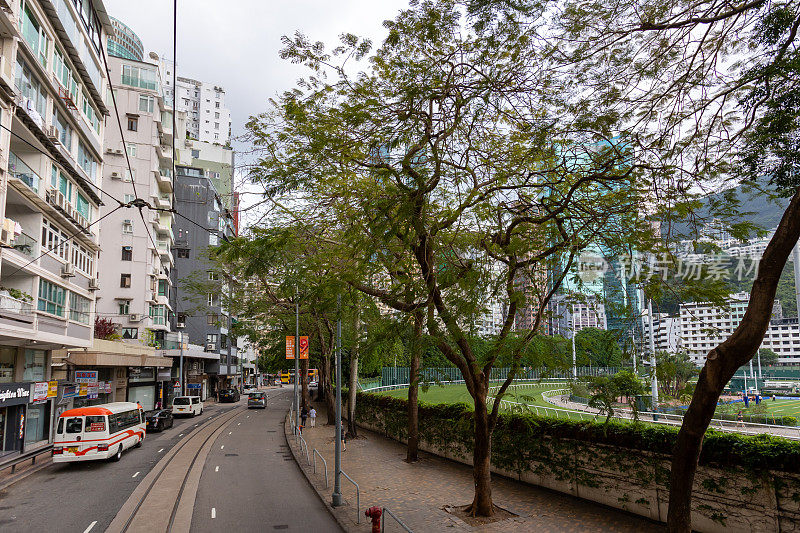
(777, 408)
(528, 393)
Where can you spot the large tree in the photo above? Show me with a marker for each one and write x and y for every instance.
(453, 161)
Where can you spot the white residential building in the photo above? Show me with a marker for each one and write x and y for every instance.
(570, 313)
(208, 119)
(703, 327)
(667, 332)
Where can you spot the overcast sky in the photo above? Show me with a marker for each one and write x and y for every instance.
(235, 43)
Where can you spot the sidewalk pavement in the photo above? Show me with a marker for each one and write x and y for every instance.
(417, 493)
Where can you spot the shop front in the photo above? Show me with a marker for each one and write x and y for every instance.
(14, 398)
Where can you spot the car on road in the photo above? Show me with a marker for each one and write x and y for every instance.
(98, 432)
(256, 400)
(159, 419)
(249, 389)
(229, 395)
(187, 405)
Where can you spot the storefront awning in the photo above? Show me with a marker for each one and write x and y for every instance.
(113, 353)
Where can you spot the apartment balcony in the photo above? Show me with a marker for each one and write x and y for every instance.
(163, 201)
(25, 245)
(164, 179)
(165, 153)
(163, 248)
(22, 172)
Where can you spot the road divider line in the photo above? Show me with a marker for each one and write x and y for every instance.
(181, 435)
(216, 469)
(222, 447)
(230, 433)
(88, 529)
(136, 474)
(161, 450)
(213, 512)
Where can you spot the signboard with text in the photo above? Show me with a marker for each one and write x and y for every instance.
(86, 376)
(290, 347)
(83, 389)
(93, 390)
(70, 391)
(52, 389)
(39, 391)
(303, 347)
(14, 393)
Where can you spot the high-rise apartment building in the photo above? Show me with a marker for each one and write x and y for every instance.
(137, 254)
(52, 99)
(205, 221)
(124, 43)
(207, 118)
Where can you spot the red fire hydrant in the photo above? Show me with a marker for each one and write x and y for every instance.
(374, 513)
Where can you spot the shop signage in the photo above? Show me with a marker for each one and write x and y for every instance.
(52, 389)
(93, 390)
(70, 391)
(83, 389)
(86, 376)
(109, 387)
(40, 391)
(14, 393)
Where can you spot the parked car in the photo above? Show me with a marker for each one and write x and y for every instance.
(249, 389)
(187, 405)
(257, 399)
(229, 395)
(159, 419)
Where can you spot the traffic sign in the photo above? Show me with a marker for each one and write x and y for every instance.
(290, 347)
(303, 347)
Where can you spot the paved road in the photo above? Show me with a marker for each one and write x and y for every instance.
(251, 483)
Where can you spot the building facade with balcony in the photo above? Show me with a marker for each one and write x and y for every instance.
(52, 99)
(137, 250)
(199, 301)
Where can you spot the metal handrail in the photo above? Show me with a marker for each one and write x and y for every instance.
(386, 511)
(32, 455)
(358, 496)
(315, 454)
(302, 444)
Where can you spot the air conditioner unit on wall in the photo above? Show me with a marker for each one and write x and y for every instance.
(94, 284)
(210, 347)
(134, 317)
(116, 175)
(68, 270)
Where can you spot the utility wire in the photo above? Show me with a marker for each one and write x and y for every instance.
(47, 250)
(50, 157)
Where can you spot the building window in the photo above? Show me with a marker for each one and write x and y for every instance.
(163, 287)
(8, 357)
(212, 275)
(33, 34)
(51, 298)
(182, 253)
(127, 227)
(125, 307)
(157, 315)
(181, 320)
(127, 253)
(195, 154)
(133, 124)
(216, 115)
(213, 239)
(216, 125)
(79, 308)
(212, 318)
(34, 365)
(86, 161)
(223, 341)
(129, 198)
(125, 281)
(146, 103)
(144, 78)
(130, 333)
(210, 299)
(217, 104)
(211, 338)
(131, 149)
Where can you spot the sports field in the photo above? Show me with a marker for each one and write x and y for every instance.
(777, 408)
(529, 393)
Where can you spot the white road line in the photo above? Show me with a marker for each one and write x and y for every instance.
(222, 447)
(239, 424)
(216, 469)
(181, 435)
(161, 450)
(88, 529)
(213, 512)
(230, 433)
(136, 474)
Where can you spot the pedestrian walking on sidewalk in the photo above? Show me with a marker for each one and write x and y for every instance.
(313, 416)
(303, 416)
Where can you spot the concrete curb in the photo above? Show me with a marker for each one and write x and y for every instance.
(20, 475)
(343, 515)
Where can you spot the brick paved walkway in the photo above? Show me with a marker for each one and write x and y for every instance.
(417, 492)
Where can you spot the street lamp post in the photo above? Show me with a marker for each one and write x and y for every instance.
(654, 383)
(180, 376)
(296, 356)
(336, 498)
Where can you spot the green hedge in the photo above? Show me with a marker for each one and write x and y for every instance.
(517, 436)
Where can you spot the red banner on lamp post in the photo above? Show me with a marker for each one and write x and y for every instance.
(303, 347)
(290, 347)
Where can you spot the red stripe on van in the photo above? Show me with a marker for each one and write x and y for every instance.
(86, 411)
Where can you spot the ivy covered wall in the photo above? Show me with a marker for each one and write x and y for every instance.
(744, 483)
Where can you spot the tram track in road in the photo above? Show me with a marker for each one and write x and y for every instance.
(160, 494)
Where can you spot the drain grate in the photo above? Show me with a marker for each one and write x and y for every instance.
(231, 455)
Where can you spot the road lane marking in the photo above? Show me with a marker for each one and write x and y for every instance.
(88, 529)
(222, 447)
(213, 512)
(136, 474)
(216, 469)
(230, 433)
(161, 450)
(239, 424)
(181, 435)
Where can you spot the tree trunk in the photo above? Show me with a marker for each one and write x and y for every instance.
(481, 458)
(722, 362)
(328, 391)
(412, 454)
(305, 400)
(353, 382)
